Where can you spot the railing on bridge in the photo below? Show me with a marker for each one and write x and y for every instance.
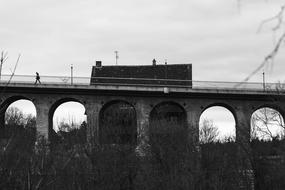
(86, 81)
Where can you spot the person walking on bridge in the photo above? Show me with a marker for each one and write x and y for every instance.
(38, 78)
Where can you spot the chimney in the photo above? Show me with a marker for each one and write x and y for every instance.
(98, 63)
(153, 62)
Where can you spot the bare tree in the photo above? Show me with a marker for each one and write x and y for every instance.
(15, 116)
(208, 132)
(267, 124)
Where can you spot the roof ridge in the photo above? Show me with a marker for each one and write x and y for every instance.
(144, 65)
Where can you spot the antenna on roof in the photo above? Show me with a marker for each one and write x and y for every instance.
(71, 74)
(116, 56)
(263, 80)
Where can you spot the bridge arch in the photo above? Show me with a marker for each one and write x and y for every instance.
(24, 106)
(165, 118)
(267, 122)
(217, 136)
(5, 104)
(52, 110)
(168, 132)
(271, 106)
(220, 104)
(168, 110)
(118, 123)
(219, 119)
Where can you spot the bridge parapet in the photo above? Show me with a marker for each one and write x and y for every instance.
(141, 84)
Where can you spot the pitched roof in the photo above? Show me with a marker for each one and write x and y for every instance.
(146, 74)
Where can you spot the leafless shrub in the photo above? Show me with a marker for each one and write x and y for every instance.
(208, 132)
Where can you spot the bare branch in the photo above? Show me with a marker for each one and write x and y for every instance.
(3, 59)
(278, 17)
(266, 60)
(266, 124)
(270, 57)
(10, 79)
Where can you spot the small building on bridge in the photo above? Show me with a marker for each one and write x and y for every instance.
(166, 74)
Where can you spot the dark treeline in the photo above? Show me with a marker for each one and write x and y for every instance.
(269, 163)
(169, 161)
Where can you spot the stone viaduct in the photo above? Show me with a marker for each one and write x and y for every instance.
(144, 99)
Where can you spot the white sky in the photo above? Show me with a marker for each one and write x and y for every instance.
(217, 37)
(223, 119)
(69, 112)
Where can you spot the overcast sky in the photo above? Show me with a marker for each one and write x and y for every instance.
(218, 37)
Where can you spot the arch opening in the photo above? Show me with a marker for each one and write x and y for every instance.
(118, 123)
(68, 123)
(217, 124)
(267, 124)
(267, 140)
(18, 115)
(217, 133)
(168, 135)
(166, 118)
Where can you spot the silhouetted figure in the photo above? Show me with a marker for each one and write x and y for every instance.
(37, 78)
